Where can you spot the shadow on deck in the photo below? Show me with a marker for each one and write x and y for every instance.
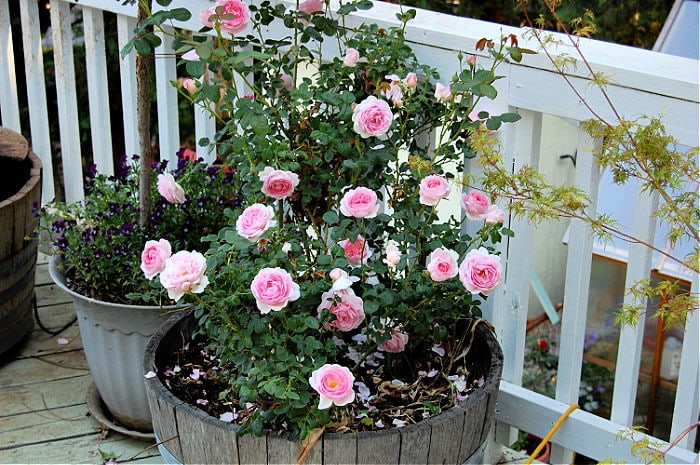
(44, 382)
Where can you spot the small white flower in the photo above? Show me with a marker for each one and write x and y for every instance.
(149, 375)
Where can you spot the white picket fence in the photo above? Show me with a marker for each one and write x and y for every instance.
(643, 83)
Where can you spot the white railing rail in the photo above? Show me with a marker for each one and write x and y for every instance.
(643, 83)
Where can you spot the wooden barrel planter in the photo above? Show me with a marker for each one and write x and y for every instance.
(20, 192)
(189, 435)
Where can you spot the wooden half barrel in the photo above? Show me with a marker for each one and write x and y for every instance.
(20, 193)
(187, 434)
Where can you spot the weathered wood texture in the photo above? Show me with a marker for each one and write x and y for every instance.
(20, 191)
(190, 435)
(43, 384)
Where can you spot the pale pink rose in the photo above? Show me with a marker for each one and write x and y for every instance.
(475, 204)
(355, 252)
(395, 344)
(311, 6)
(238, 10)
(474, 116)
(394, 93)
(153, 257)
(334, 383)
(190, 85)
(372, 117)
(287, 81)
(392, 254)
(359, 203)
(278, 184)
(341, 279)
(191, 55)
(254, 221)
(471, 60)
(273, 289)
(351, 57)
(184, 272)
(432, 189)
(411, 80)
(480, 271)
(443, 92)
(347, 307)
(169, 189)
(494, 215)
(442, 264)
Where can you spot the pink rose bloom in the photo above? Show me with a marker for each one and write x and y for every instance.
(169, 189)
(432, 189)
(372, 117)
(278, 184)
(287, 81)
(311, 6)
(273, 288)
(494, 215)
(395, 344)
(334, 383)
(393, 254)
(341, 279)
(411, 80)
(192, 55)
(443, 92)
(351, 57)
(442, 264)
(394, 93)
(359, 203)
(355, 252)
(184, 272)
(471, 60)
(153, 257)
(254, 221)
(190, 85)
(346, 306)
(475, 204)
(236, 8)
(480, 272)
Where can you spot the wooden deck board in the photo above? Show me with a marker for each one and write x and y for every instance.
(43, 386)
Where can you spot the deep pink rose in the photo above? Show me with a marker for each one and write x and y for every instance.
(480, 272)
(411, 80)
(254, 221)
(494, 215)
(153, 257)
(442, 264)
(311, 6)
(372, 117)
(278, 184)
(346, 306)
(355, 252)
(359, 203)
(432, 189)
(184, 272)
(273, 288)
(475, 204)
(396, 343)
(169, 189)
(334, 383)
(351, 57)
(443, 92)
(235, 8)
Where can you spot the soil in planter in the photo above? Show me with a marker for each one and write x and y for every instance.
(13, 175)
(192, 374)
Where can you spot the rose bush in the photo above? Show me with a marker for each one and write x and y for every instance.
(338, 295)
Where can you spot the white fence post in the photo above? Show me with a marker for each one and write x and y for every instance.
(98, 91)
(9, 104)
(36, 94)
(166, 100)
(62, 35)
